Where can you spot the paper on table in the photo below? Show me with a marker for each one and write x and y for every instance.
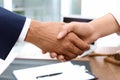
(69, 71)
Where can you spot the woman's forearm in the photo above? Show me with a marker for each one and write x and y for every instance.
(105, 25)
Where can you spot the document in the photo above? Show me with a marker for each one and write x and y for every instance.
(57, 71)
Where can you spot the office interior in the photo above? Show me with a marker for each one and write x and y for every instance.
(55, 10)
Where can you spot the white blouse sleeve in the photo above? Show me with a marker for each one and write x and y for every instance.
(116, 15)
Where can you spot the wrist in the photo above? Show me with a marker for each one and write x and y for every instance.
(32, 31)
(94, 33)
(105, 25)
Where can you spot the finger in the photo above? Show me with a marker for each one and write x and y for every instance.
(69, 56)
(43, 51)
(61, 58)
(79, 43)
(64, 30)
(71, 49)
(53, 55)
(74, 50)
(75, 45)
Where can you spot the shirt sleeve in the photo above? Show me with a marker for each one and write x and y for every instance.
(24, 30)
(116, 15)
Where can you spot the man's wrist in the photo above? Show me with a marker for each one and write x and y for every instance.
(30, 30)
(34, 33)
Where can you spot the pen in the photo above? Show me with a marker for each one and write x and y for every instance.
(48, 75)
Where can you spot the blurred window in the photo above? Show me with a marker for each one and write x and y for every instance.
(43, 10)
(70, 7)
(1, 3)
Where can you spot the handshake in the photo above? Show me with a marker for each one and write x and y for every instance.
(64, 41)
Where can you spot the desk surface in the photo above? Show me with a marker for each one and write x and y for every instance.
(101, 69)
(27, 63)
(104, 70)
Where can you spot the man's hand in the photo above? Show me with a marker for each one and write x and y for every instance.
(83, 30)
(43, 35)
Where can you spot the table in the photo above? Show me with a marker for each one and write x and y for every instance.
(104, 70)
(28, 63)
(101, 69)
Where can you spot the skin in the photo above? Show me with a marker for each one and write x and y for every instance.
(43, 35)
(91, 31)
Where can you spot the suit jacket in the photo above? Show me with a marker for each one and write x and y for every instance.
(11, 25)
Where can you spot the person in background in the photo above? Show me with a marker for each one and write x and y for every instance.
(91, 31)
(14, 27)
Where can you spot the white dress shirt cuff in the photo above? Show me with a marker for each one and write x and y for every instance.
(116, 15)
(24, 30)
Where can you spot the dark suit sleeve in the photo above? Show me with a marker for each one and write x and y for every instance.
(11, 25)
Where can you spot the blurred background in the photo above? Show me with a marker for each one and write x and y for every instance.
(55, 10)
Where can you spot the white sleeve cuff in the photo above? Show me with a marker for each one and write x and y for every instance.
(116, 15)
(24, 30)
